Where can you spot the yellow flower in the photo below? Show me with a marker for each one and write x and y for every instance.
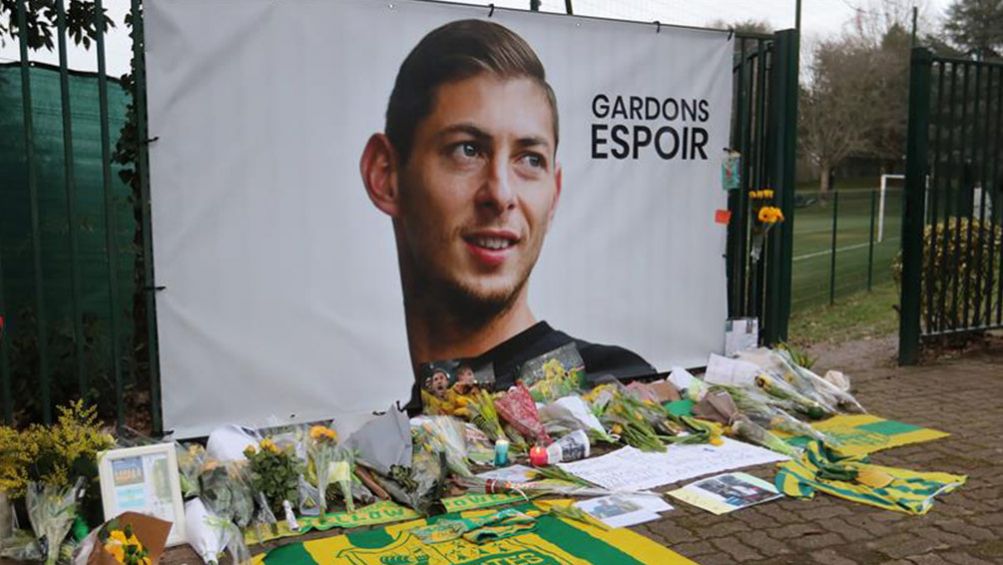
(116, 550)
(249, 451)
(268, 445)
(119, 536)
(323, 432)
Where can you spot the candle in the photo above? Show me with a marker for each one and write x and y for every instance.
(501, 453)
(538, 456)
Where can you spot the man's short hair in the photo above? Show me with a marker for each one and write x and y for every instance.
(453, 52)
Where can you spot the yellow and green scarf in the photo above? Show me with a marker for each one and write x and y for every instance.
(854, 478)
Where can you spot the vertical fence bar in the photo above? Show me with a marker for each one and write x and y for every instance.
(970, 190)
(912, 212)
(36, 234)
(736, 274)
(960, 199)
(111, 229)
(784, 93)
(5, 388)
(142, 166)
(71, 198)
(756, 290)
(949, 201)
(984, 187)
(832, 254)
(997, 204)
(870, 244)
(937, 172)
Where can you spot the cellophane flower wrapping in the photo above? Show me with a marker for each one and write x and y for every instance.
(225, 488)
(191, 458)
(445, 434)
(51, 510)
(210, 535)
(518, 408)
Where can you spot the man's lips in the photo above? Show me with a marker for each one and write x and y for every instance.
(491, 247)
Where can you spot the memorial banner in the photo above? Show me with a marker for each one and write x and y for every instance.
(282, 295)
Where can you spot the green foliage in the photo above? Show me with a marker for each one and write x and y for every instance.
(40, 20)
(958, 264)
(976, 26)
(275, 472)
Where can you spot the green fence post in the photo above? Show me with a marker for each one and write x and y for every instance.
(143, 170)
(912, 211)
(784, 85)
(111, 241)
(832, 254)
(71, 198)
(870, 246)
(5, 388)
(36, 232)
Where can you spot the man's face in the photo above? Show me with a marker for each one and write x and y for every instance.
(479, 189)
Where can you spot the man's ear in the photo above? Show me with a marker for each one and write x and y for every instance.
(558, 175)
(378, 166)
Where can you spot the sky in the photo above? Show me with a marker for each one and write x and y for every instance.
(820, 19)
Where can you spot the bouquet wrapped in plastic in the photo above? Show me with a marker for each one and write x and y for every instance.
(570, 413)
(191, 458)
(554, 374)
(422, 484)
(484, 415)
(321, 447)
(51, 511)
(210, 535)
(518, 409)
(226, 490)
(445, 434)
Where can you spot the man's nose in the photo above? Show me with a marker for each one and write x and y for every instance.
(497, 192)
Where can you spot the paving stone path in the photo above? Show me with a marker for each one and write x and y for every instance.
(962, 396)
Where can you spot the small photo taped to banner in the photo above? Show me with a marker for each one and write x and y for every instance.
(459, 376)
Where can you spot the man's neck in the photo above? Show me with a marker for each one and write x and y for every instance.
(435, 335)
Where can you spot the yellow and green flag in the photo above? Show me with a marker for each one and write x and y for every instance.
(552, 541)
(854, 478)
(861, 434)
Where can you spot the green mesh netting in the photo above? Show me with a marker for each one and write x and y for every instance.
(16, 239)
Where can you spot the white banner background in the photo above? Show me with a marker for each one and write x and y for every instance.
(283, 300)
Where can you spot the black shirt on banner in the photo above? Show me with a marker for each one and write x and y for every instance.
(507, 357)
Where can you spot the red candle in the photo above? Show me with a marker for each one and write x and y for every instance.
(538, 456)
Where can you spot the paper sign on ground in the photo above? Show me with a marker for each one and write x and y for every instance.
(727, 492)
(617, 511)
(630, 469)
(731, 372)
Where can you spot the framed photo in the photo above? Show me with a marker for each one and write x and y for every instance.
(143, 479)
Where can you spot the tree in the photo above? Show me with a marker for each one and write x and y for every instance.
(40, 21)
(839, 105)
(976, 26)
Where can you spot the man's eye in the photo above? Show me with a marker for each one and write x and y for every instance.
(534, 160)
(467, 150)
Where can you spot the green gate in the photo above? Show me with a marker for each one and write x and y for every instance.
(764, 132)
(76, 277)
(952, 238)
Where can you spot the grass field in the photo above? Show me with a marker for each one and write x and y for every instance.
(813, 228)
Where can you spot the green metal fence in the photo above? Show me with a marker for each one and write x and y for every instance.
(952, 234)
(76, 266)
(844, 244)
(764, 120)
(73, 231)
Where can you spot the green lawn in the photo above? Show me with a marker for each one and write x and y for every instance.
(813, 227)
(857, 315)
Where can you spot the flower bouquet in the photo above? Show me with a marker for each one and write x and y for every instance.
(275, 473)
(518, 409)
(191, 459)
(322, 444)
(51, 511)
(484, 415)
(766, 216)
(444, 434)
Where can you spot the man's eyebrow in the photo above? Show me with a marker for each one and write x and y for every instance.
(469, 129)
(533, 141)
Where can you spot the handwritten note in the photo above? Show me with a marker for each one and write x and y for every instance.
(630, 469)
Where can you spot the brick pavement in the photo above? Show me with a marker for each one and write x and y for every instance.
(961, 396)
